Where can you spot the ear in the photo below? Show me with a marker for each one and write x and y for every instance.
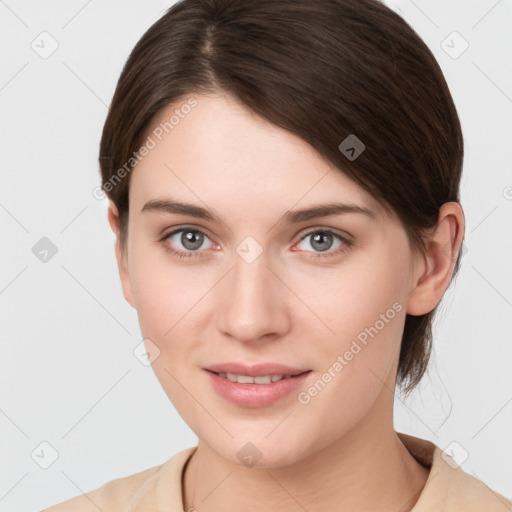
(432, 276)
(122, 264)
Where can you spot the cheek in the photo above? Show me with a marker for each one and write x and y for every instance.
(365, 312)
(164, 292)
(358, 361)
(346, 302)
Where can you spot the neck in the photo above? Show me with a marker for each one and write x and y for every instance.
(368, 468)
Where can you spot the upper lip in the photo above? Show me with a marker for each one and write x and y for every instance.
(255, 370)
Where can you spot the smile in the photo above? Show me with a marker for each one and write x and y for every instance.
(247, 379)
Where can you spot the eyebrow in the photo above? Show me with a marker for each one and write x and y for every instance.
(290, 217)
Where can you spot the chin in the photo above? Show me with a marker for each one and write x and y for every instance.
(259, 451)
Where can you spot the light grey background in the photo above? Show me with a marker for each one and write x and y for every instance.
(68, 375)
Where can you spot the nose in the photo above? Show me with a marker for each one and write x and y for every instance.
(253, 302)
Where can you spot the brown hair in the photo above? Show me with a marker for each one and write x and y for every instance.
(321, 70)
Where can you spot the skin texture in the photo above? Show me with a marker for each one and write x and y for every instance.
(295, 305)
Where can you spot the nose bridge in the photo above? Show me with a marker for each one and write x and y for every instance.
(253, 303)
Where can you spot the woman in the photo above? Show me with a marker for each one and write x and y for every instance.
(243, 136)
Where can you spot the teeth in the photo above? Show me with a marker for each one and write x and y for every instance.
(263, 379)
(246, 379)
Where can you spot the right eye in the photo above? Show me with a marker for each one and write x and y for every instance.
(190, 239)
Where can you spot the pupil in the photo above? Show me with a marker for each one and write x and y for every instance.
(322, 236)
(188, 237)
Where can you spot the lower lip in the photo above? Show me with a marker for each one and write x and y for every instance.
(255, 395)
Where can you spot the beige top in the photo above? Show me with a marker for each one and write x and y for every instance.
(159, 489)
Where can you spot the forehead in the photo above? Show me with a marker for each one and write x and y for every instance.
(221, 150)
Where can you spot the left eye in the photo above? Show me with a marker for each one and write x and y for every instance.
(322, 240)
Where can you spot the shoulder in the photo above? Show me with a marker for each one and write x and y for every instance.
(120, 494)
(114, 495)
(450, 488)
(469, 493)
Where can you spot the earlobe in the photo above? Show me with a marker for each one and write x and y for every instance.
(433, 276)
(122, 264)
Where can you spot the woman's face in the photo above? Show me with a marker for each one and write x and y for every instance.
(260, 284)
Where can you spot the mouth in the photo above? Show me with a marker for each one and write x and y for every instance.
(256, 387)
(260, 379)
(255, 370)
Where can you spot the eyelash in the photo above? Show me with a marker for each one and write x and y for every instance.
(189, 254)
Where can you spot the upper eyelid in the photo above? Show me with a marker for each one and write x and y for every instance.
(175, 230)
(337, 232)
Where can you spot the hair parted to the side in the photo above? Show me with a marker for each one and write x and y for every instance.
(321, 70)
